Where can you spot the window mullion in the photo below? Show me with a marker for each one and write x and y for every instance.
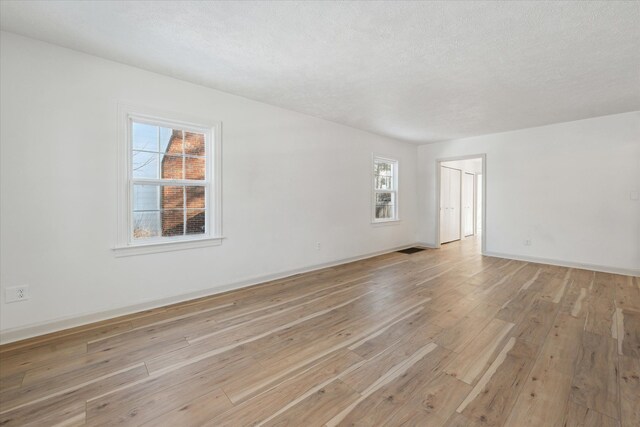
(185, 182)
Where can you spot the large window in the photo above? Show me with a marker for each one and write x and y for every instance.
(168, 195)
(385, 189)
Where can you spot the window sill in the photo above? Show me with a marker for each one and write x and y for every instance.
(156, 247)
(385, 223)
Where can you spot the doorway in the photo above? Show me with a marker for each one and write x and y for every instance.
(460, 199)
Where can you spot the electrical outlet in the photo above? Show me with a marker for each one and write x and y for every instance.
(527, 242)
(318, 246)
(16, 293)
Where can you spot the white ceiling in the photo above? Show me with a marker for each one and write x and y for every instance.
(417, 71)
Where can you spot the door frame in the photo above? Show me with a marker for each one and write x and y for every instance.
(439, 161)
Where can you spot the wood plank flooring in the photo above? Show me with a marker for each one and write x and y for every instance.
(437, 338)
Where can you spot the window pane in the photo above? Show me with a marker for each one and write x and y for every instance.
(194, 168)
(172, 167)
(385, 205)
(385, 212)
(144, 137)
(383, 168)
(172, 197)
(144, 165)
(385, 198)
(384, 182)
(146, 197)
(195, 197)
(146, 224)
(173, 223)
(195, 221)
(170, 141)
(194, 144)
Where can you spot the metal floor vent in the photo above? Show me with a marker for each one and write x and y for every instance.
(410, 251)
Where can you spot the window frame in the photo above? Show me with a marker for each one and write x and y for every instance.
(126, 244)
(396, 171)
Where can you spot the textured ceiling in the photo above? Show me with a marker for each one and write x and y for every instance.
(417, 71)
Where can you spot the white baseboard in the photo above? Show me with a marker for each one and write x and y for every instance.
(37, 329)
(571, 264)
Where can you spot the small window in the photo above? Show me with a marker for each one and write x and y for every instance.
(169, 182)
(171, 188)
(385, 190)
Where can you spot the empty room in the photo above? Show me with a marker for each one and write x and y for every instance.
(320, 213)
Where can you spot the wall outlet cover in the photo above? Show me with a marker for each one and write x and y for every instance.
(16, 294)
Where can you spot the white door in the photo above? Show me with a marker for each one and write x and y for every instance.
(455, 202)
(467, 203)
(444, 204)
(450, 181)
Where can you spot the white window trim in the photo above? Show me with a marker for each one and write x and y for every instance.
(125, 244)
(396, 173)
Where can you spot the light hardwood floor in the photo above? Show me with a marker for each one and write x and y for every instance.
(438, 338)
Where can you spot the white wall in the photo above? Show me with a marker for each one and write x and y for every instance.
(566, 187)
(289, 181)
